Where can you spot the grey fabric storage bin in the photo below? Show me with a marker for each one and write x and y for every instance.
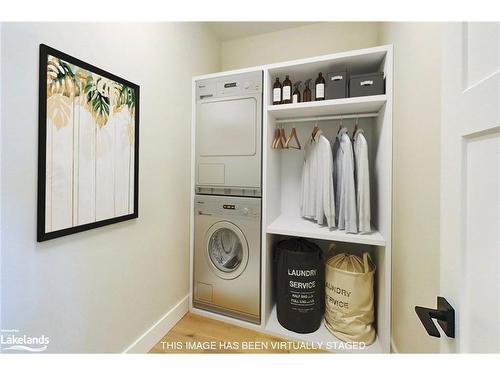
(366, 84)
(336, 85)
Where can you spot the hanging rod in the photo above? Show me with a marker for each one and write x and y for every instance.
(325, 118)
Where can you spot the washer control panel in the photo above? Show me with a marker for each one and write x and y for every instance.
(220, 206)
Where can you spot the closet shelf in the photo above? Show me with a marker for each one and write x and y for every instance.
(322, 335)
(362, 104)
(299, 227)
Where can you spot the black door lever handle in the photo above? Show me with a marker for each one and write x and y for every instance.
(445, 315)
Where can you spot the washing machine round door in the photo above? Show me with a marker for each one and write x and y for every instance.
(227, 250)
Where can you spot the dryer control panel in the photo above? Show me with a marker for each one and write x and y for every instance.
(226, 207)
(234, 85)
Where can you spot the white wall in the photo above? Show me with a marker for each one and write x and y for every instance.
(99, 290)
(299, 42)
(416, 204)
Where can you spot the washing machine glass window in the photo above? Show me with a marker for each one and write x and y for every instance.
(227, 250)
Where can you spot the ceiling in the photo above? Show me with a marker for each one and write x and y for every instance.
(234, 30)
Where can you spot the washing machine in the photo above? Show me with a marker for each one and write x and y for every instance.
(227, 256)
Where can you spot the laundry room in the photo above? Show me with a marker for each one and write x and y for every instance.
(282, 187)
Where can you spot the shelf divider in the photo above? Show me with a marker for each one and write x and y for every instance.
(348, 106)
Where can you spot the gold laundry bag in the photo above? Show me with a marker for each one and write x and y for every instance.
(349, 308)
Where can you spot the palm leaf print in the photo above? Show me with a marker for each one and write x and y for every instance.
(61, 79)
(126, 98)
(95, 92)
(97, 95)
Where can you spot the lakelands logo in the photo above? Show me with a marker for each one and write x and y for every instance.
(11, 341)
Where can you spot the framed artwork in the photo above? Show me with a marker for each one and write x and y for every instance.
(88, 146)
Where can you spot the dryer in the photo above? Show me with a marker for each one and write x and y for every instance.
(227, 256)
(228, 139)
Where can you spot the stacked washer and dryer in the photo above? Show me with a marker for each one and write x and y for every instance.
(228, 190)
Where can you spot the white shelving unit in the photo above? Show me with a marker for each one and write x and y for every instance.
(282, 171)
(281, 181)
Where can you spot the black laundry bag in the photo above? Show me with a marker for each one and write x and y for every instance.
(300, 285)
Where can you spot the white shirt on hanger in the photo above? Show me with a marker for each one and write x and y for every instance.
(362, 181)
(317, 191)
(307, 194)
(344, 183)
(337, 166)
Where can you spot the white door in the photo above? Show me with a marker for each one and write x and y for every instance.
(470, 185)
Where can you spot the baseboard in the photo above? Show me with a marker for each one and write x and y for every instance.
(154, 334)
(394, 348)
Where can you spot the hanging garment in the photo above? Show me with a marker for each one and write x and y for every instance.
(307, 200)
(337, 166)
(307, 194)
(345, 197)
(362, 176)
(317, 199)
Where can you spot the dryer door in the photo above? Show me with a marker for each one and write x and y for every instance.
(228, 143)
(228, 127)
(226, 250)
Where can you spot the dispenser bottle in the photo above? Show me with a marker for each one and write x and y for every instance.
(286, 91)
(306, 95)
(296, 92)
(277, 91)
(320, 87)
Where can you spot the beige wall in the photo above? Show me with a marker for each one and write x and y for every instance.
(415, 259)
(97, 291)
(417, 126)
(305, 41)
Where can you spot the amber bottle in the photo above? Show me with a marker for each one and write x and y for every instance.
(277, 92)
(286, 92)
(320, 87)
(306, 95)
(296, 92)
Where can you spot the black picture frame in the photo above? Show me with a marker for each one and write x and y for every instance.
(42, 235)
